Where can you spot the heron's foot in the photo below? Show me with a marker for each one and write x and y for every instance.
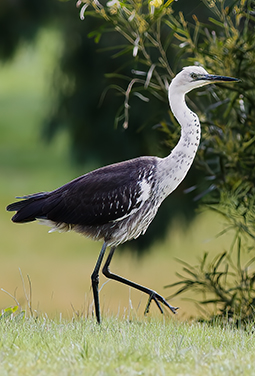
(158, 298)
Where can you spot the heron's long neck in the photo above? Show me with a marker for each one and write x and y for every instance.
(190, 127)
(174, 168)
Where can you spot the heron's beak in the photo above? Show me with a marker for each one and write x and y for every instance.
(213, 78)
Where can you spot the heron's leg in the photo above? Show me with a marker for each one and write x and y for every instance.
(95, 281)
(153, 295)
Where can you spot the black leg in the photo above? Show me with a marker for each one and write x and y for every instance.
(95, 281)
(153, 295)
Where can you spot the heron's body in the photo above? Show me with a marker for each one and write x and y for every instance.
(117, 203)
(110, 203)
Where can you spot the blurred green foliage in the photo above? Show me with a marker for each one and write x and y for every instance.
(20, 21)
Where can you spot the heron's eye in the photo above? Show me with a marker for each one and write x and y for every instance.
(194, 76)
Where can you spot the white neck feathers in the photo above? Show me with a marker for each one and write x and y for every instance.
(190, 125)
(174, 168)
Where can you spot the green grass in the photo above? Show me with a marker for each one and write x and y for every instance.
(123, 347)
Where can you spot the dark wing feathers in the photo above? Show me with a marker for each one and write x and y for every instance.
(20, 204)
(96, 198)
(27, 210)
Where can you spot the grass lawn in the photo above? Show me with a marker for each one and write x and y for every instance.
(123, 347)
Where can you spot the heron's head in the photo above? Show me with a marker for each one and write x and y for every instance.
(193, 77)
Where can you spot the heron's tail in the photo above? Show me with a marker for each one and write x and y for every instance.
(29, 208)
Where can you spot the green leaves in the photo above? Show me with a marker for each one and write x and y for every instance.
(156, 39)
(224, 283)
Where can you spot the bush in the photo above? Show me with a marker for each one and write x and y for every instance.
(224, 44)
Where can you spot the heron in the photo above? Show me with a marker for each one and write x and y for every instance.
(116, 203)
